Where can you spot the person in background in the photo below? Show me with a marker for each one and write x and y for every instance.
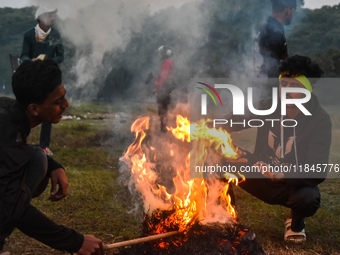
(164, 84)
(270, 44)
(26, 169)
(41, 42)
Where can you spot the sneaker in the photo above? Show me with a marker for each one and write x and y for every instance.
(48, 152)
(4, 253)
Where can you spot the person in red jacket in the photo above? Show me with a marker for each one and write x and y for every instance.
(164, 84)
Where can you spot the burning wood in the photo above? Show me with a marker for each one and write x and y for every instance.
(195, 199)
(194, 202)
(198, 240)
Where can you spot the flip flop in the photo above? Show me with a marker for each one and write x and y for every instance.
(291, 236)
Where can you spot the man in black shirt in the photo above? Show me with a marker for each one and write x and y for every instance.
(306, 145)
(26, 169)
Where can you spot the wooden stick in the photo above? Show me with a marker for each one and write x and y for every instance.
(140, 240)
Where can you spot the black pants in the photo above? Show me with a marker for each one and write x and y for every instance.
(45, 134)
(163, 103)
(304, 201)
(35, 178)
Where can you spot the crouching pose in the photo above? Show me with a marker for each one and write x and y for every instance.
(26, 169)
(306, 145)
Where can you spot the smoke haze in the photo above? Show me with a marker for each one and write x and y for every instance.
(97, 28)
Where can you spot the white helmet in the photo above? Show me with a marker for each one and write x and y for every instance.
(42, 10)
(165, 51)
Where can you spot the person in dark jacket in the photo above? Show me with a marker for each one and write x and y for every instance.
(41, 42)
(26, 169)
(306, 144)
(270, 44)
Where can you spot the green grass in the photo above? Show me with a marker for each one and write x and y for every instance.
(267, 222)
(97, 203)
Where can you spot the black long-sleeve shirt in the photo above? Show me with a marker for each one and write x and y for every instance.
(306, 144)
(15, 197)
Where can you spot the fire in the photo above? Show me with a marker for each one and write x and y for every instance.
(190, 199)
(201, 131)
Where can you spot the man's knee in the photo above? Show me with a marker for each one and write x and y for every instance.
(306, 199)
(37, 171)
(40, 160)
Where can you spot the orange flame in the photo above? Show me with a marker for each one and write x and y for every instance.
(195, 199)
(200, 131)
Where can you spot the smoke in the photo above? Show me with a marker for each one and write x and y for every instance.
(97, 28)
(209, 38)
(113, 43)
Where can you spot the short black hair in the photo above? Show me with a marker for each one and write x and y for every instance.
(34, 80)
(301, 65)
(280, 5)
